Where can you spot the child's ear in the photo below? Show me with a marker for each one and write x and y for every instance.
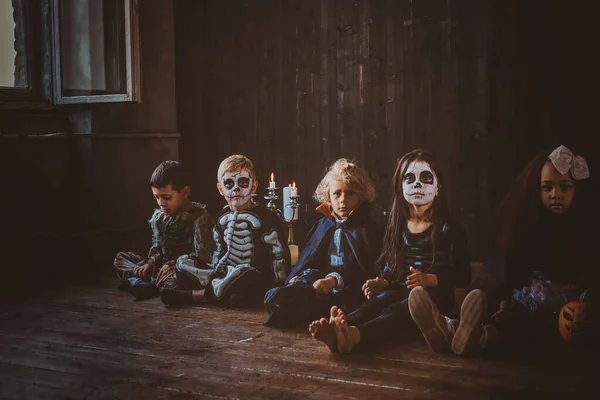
(220, 188)
(186, 191)
(437, 189)
(254, 186)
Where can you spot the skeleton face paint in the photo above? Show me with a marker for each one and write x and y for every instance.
(237, 189)
(419, 183)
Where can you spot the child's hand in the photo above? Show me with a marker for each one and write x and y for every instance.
(417, 278)
(165, 272)
(294, 279)
(325, 285)
(503, 308)
(373, 287)
(143, 272)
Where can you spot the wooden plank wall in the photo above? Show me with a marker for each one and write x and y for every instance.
(540, 74)
(296, 84)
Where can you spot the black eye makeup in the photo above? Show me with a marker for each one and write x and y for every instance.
(427, 177)
(229, 184)
(409, 178)
(244, 182)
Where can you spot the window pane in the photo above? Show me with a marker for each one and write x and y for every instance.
(13, 73)
(92, 40)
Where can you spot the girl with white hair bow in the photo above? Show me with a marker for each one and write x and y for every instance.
(544, 240)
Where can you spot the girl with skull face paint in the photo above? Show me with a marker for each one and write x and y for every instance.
(543, 253)
(424, 254)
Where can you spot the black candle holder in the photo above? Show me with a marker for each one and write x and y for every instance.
(294, 205)
(271, 196)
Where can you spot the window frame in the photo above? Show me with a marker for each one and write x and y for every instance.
(36, 33)
(132, 60)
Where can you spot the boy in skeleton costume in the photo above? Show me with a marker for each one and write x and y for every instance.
(179, 227)
(339, 254)
(250, 256)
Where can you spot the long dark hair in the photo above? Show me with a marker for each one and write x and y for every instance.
(391, 255)
(520, 211)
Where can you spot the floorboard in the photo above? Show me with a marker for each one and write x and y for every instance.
(92, 341)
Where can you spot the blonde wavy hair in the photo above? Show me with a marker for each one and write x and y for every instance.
(234, 163)
(353, 176)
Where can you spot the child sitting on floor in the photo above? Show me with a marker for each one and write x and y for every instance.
(545, 247)
(179, 227)
(339, 253)
(249, 257)
(425, 254)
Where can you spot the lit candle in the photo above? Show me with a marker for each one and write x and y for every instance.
(272, 182)
(294, 191)
(293, 254)
(288, 212)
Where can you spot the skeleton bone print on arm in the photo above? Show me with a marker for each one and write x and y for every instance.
(278, 255)
(237, 228)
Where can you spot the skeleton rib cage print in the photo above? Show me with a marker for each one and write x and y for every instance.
(237, 227)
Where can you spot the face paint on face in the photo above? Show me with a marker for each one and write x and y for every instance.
(419, 183)
(237, 188)
(557, 190)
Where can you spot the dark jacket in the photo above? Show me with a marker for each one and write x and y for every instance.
(450, 262)
(558, 250)
(298, 303)
(362, 239)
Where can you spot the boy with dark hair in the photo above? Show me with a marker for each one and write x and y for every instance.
(249, 257)
(179, 227)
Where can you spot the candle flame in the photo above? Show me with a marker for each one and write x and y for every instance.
(272, 177)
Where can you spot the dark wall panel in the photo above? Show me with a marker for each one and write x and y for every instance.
(80, 192)
(296, 84)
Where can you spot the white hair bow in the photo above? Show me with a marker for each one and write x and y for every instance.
(564, 160)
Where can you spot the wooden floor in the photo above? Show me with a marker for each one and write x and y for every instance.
(94, 342)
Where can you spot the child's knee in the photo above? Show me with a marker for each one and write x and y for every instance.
(184, 263)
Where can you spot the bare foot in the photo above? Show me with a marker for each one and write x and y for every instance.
(323, 332)
(335, 315)
(346, 336)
